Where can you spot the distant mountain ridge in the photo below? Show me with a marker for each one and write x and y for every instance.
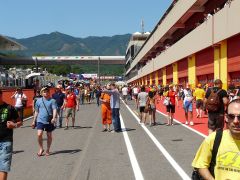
(57, 43)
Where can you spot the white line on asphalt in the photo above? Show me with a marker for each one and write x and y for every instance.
(170, 159)
(136, 169)
(191, 129)
(27, 118)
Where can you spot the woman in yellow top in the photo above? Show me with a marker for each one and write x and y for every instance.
(199, 95)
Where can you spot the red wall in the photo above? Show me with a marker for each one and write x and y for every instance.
(205, 62)
(29, 93)
(183, 68)
(233, 53)
(160, 74)
(169, 71)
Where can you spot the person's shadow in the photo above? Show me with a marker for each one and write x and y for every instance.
(127, 129)
(16, 152)
(70, 151)
(82, 127)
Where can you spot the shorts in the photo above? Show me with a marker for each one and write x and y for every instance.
(187, 106)
(45, 127)
(141, 109)
(5, 156)
(152, 108)
(70, 112)
(215, 121)
(171, 108)
(124, 97)
(199, 104)
(135, 96)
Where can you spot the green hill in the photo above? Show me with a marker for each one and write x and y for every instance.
(57, 43)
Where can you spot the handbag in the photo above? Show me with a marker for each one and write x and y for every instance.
(166, 101)
(146, 109)
(217, 141)
(50, 117)
(24, 101)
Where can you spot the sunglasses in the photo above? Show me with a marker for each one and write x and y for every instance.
(231, 117)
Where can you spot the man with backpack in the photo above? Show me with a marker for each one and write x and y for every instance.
(216, 100)
(219, 156)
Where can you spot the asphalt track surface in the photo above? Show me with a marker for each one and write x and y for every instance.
(86, 153)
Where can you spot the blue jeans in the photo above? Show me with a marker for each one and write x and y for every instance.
(98, 102)
(81, 99)
(116, 119)
(6, 149)
(60, 116)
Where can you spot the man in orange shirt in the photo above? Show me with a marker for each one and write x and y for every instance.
(70, 104)
(106, 111)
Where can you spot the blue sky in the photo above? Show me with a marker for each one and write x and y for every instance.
(78, 18)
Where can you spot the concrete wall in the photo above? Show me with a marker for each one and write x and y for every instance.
(221, 26)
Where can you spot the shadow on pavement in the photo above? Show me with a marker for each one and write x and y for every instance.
(25, 126)
(196, 123)
(73, 151)
(16, 152)
(160, 124)
(177, 139)
(82, 127)
(127, 129)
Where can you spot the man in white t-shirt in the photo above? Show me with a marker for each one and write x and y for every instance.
(141, 103)
(124, 93)
(135, 93)
(20, 101)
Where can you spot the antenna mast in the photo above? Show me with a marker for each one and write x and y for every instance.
(142, 26)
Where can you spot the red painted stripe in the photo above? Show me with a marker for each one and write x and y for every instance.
(200, 124)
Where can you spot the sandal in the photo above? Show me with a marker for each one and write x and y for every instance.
(40, 153)
(47, 154)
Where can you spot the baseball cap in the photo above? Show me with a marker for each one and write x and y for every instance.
(44, 89)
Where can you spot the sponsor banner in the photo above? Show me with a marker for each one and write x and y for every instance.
(88, 76)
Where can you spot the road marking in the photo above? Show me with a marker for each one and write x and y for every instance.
(27, 118)
(136, 169)
(170, 159)
(191, 129)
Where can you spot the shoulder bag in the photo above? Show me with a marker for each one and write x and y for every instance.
(50, 117)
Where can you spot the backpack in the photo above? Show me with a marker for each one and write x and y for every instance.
(213, 101)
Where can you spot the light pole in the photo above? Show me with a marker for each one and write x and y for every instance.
(99, 70)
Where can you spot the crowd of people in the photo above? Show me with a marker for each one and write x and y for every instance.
(218, 157)
(50, 111)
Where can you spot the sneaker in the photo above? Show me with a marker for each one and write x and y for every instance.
(104, 130)
(113, 131)
(66, 128)
(109, 130)
(186, 122)
(191, 123)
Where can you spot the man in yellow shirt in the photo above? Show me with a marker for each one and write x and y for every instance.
(199, 95)
(228, 156)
